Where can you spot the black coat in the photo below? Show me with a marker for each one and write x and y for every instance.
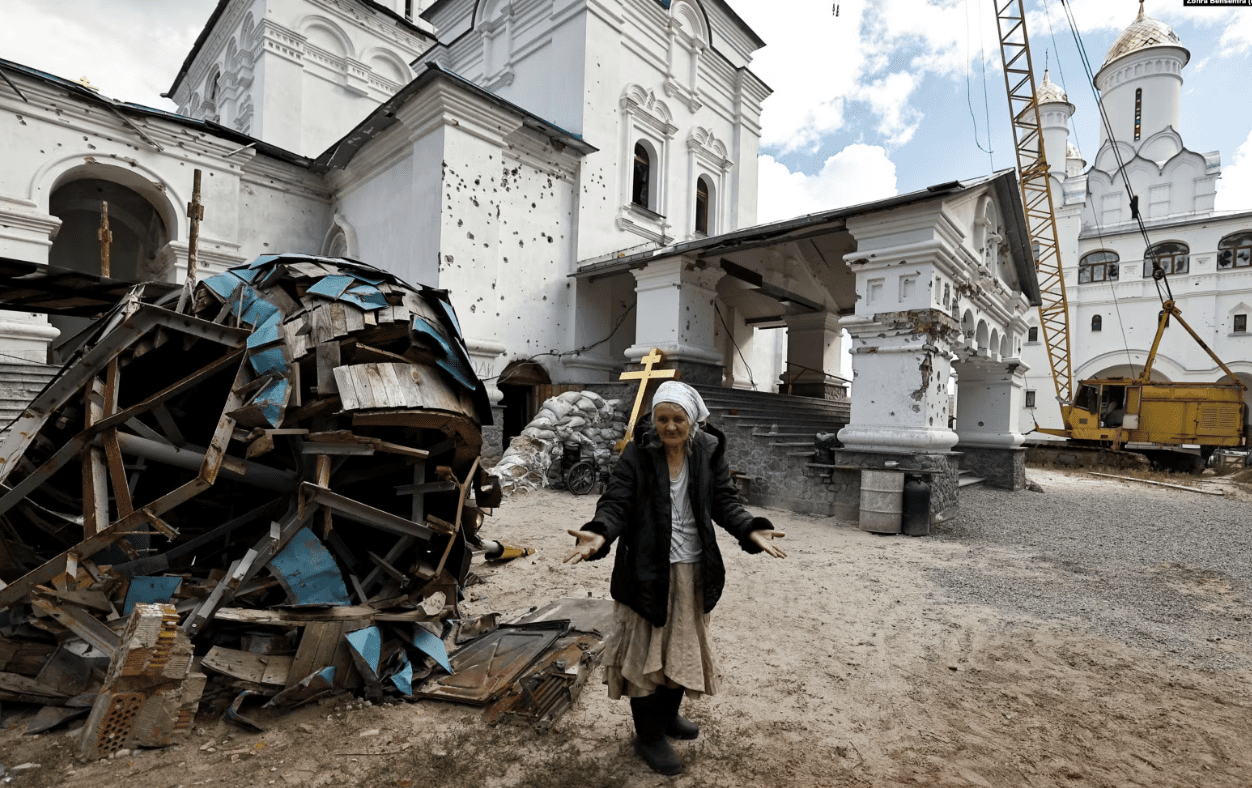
(636, 509)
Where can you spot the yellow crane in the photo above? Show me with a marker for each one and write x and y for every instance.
(1113, 411)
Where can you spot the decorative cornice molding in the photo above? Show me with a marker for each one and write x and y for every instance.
(648, 109)
(708, 149)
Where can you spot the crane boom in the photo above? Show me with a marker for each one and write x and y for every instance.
(1032, 168)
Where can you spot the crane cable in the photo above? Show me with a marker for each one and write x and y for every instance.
(1158, 273)
(1117, 306)
(968, 98)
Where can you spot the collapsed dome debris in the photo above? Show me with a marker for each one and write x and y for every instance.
(273, 477)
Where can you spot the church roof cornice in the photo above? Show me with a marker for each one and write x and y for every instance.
(384, 117)
(125, 108)
(220, 9)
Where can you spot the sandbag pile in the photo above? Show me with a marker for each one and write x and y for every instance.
(533, 459)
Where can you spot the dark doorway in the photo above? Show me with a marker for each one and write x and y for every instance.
(519, 383)
(138, 231)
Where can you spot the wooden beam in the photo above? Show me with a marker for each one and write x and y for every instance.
(95, 486)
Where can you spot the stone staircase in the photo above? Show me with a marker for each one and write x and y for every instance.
(968, 479)
(771, 443)
(19, 384)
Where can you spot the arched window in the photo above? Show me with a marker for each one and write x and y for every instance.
(1138, 112)
(1235, 251)
(1097, 323)
(1172, 257)
(1098, 266)
(641, 183)
(702, 205)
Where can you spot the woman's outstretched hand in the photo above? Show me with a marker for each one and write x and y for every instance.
(763, 540)
(588, 543)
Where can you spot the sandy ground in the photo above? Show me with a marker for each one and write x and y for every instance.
(844, 665)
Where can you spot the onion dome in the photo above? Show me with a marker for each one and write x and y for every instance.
(1072, 152)
(1050, 93)
(1143, 33)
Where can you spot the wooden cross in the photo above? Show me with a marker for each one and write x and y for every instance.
(655, 356)
(106, 237)
(195, 212)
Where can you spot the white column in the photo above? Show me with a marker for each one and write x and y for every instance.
(675, 311)
(814, 341)
(989, 397)
(26, 233)
(486, 356)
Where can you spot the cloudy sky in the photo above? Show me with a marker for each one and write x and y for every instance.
(886, 96)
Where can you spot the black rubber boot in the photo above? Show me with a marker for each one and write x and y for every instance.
(678, 726)
(650, 718)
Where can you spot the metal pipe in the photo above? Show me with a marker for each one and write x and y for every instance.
(192, 457)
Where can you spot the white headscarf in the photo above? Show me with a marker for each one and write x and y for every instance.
(684, 396)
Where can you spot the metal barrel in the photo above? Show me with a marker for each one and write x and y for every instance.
(882, 494)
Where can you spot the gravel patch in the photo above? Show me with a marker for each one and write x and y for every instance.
(1151, 567)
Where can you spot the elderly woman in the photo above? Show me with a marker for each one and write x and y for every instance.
(671, 484)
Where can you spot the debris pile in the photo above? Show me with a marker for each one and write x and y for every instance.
(582, 420)
(271, 480)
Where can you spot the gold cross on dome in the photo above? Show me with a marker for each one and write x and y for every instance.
(648, 373)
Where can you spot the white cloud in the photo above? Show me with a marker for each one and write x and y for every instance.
(813, 63)
(1237, 36)
(857, 174)
(889, 99)
(874, 54)
(1234, 189)
(136, 46)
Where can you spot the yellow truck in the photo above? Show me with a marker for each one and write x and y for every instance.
(1112, 412)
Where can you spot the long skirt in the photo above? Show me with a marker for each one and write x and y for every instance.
(639, 657)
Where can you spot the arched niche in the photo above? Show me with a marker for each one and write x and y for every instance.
(340, 240)
(326, 35)
(140, 231)
(386, 65)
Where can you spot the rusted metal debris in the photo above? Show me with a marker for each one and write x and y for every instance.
(277, 488)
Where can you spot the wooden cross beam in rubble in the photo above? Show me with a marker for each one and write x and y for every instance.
(648, 373)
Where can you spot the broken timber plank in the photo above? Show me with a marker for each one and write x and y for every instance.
(44, 573)
(319, 647)
(397, 550)
(269, 669)
(76, 444)
(246, 568)
(327, 359)
(363, 513)
(296, 617)
(79, 622)
(95, 491)
(72, 379)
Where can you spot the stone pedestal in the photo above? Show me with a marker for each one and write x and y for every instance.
(1004, 469)
(900, 363)
(943, 466)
